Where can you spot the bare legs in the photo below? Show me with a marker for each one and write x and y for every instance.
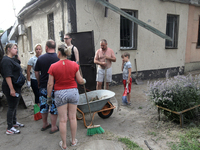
(73, 121)
(99, 85)
(53, 121)
(44, 120)
(62, 112)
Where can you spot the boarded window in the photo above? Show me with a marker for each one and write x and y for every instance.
(172, 31)
(128, 31)
(50, 20)
(198, 40)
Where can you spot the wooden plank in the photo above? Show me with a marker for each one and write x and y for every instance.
(139, 22)
(178, 113)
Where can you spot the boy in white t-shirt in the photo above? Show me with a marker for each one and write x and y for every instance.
(126, 68)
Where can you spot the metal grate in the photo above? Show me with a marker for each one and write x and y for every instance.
(128, 31)
(50, 19)
(172, 31)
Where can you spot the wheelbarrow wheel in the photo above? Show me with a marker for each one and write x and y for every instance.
(107, 113)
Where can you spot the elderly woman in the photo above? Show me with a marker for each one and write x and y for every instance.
(31, 79)
(10, 70)
(65, 73)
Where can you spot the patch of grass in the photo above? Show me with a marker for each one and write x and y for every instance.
(152, 133)
(188, 141)
(139, 107)
(131, 145)
(193, 133)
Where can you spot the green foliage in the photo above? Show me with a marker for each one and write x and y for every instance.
(188, 141)
(131, 145)
(152, 133)
(177, 94)
(1, 31)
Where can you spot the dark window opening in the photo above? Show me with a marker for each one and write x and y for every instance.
(128, 31)
(172, 31)
(50, 19)
(198, 40)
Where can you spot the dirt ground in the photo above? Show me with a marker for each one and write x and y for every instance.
(137, 122)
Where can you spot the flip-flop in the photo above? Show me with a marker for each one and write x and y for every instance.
(52, 132)
(60, 144)
(76, 141)
(47, 127)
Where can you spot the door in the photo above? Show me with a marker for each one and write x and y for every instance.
(84, 41)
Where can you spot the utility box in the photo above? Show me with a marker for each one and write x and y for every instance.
(21, 29)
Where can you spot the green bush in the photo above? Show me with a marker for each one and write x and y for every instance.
(177, 94)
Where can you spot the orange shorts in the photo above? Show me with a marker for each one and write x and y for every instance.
(129, 85)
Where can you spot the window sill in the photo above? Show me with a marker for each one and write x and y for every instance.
(198, 47)
(128, 49)
(171, 47)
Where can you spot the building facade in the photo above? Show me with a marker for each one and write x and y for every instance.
(42, 20)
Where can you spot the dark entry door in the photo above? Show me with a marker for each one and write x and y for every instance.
(84, 41)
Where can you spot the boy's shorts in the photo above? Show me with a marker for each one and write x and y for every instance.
(101, 73)
(129, 85)
(44, 107)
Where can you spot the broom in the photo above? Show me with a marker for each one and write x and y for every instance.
(93, 129)
(124, 97)
(37, 114)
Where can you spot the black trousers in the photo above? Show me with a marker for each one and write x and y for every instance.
(12, 105)
(34, 86)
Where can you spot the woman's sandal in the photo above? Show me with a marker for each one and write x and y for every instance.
(76, 141)
(60, 144)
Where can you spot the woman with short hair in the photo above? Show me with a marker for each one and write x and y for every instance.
(31, 79)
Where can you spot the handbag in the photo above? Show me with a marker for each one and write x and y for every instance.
(20, 81)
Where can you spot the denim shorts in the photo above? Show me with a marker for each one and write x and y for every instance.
(66, 96)
(44, 107)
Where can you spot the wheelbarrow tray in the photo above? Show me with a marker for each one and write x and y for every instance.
(103, 95)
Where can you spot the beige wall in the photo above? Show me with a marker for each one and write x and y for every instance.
(38, 23)
(151, 52)
(192, 54)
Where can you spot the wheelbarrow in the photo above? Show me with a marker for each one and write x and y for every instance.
(102, 106)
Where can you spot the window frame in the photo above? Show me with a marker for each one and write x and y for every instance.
(175, 45)
(198, 36)
(50, 24)
(134, 31)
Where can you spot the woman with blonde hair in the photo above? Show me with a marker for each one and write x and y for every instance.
(31, 79)
(11, 71)
(65, 73)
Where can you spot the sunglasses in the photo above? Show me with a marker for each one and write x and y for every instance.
(66, 38)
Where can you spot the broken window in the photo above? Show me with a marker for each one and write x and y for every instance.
(172, 31)
(50, 20)
(128, 31)
(198, 40)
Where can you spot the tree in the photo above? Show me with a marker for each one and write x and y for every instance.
(1, 31)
